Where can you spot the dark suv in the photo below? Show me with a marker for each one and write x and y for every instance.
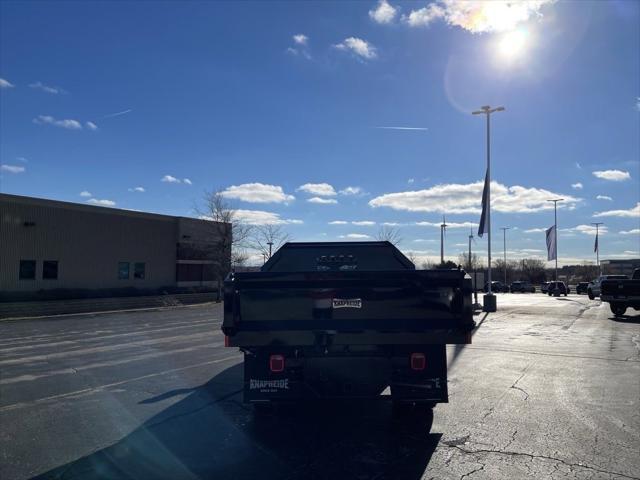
(522, 287)
(582, 288)
(560, 286)
(496, 287)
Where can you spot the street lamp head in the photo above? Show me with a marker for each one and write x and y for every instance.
(499, 109)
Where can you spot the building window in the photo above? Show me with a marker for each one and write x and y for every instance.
(27, 269)
(123, 270)
(50, 270)
(138, 270)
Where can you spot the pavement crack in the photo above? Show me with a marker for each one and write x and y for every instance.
(531, 456)
(523, 391)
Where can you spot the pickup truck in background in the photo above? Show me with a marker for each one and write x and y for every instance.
(346, 320)
(593, 290)
(621, 294)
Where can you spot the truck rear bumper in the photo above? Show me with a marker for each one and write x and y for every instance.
(346, 377)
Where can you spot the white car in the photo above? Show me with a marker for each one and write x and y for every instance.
(593, 290)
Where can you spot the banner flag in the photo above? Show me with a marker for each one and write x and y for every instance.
(551, 243)
(484, 227)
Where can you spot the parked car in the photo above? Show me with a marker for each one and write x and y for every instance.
(544, 287)
(496, 287)
(522, 287)
(582, 287)
(561, 286)
(593, 290)
(622, 294)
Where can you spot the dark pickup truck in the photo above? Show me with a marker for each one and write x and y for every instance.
(346, 320)
(621, 294)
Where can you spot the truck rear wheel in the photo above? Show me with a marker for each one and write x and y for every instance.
(617, 309)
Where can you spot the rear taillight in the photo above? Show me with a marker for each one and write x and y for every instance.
(276, 363)
(418, 361)
(226, 340)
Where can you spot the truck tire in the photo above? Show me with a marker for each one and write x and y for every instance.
(404, 409)
(618, 309)
(590, 294)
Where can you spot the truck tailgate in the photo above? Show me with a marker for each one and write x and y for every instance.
(391, 307)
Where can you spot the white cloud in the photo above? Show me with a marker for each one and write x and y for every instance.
(411, 180)
(478, 16)
(187, 181)
(586, 229)
(383, 13)
(449, 224)
(319, 189)
(91, 126)
(613, 175)
(363, 223)
(137, 189)
(338, 222)
(6, 83)
(22, 159)
(12, 168)
(359, 47)
(300, 39)
(466, 198)
(577, 186)
(355, 236)
(46, 88)
(67, 123)
(260, 217)
(578, 166)
(424, 240)
(257, 193)
(102, 203)
(323, 201)
(632, 212)
(604, 197)
(637, 102)
(391, 224)
(535, 230)
(351, 191)
(85, 193)
(170, 179)
(635, 231)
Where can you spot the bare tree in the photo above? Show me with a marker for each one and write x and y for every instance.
(266, 239)
(389, 234)
(463, 259)
(411, 256)
(229, 236)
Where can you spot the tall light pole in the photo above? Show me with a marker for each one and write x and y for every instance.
(489, 299)
(443, 228)
(270, 245)
(597, 224)
(555, 228)
(504, 248)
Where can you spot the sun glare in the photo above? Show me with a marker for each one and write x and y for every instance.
(513, 45)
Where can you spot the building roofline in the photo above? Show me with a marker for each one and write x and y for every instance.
(46, 202)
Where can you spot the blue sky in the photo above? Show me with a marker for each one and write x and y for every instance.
(280, 103)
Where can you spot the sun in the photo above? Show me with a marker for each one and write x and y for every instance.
(513, 45)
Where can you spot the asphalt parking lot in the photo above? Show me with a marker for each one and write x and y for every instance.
(550, 388)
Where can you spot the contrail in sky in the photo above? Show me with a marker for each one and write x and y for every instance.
(403, 128)
(117, 114)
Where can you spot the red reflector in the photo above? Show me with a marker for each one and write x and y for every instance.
(418, 361)
(276, 363)
(226, 340)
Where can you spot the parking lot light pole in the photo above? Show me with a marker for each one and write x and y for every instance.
(504, 248)
(555, 238)
(597, 224)
(489, 298)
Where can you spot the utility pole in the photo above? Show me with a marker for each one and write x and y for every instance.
(597, 249)
(504, 248)
(555, 237)
(270, 245)
(443, 227)
(489, 299)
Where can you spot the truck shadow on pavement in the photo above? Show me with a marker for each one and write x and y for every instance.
(211, 434)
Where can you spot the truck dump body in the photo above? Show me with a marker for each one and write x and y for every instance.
(356, 309)
(621, 293)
